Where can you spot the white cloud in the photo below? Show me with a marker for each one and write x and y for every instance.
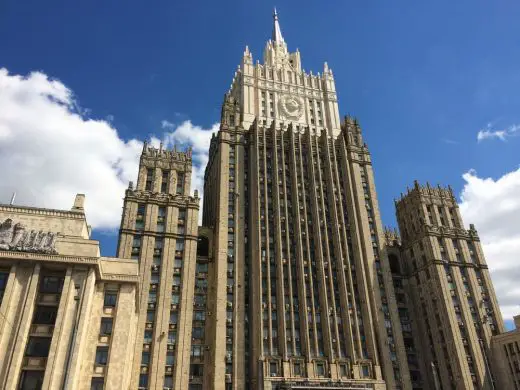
(494, 207)
(50, 149)
(503, 134)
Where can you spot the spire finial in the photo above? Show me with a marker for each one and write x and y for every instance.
(277, 32)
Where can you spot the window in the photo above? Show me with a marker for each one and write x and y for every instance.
(297, 369)
(110, 299)
(149, 178)
(366, 371)
(343, 370)
(168, 381)
(106, 326)
(180, 183)
(164, 182)
(97, 384)
(102, 356)
(200, 315)
(51, 284)
(273, 368)
(171, 337)
(198, 333)
(143, 380)
(320, 369)
(179, 244)
(38, 347)
(45, 315)
(196, 350)
(152, 297)
(170, 358)
(148, 334)
(196, 370)
(145, 358)
(173, 317)
(3, 283)
(31, 380)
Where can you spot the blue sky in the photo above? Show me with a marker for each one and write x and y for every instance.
(423, 78)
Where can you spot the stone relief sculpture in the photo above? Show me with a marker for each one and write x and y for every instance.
(15, 237)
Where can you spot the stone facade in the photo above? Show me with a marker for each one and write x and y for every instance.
(448, 291)
(66, 312)
(505, 348)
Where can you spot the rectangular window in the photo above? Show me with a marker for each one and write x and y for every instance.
(51, 284)
(110, 299)
(143, 380)
(180, 183)
(102, 356)
(3, 283)
(45, 315)
(297, 369)
(170, 359)
(150, 315)
(31, 380)
(179, 244)
(97, 384)
(320, 369)
(168, 381)
(106, 326)
(38, 347)
(172, 336)
(152, 297)
(164, 181)
(149, 179)
(145, 358)
(148, 335)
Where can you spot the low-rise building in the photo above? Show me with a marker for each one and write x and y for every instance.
(65, 311)
(505, 348)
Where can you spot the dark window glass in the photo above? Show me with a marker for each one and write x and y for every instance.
(106, 326)
(38, 346)
(32, 380)
(145, 358)
(97, 384)
(168, 381)
(51, 284)
(102, 356)
(143, 380)
(45, 315)
(110, 299)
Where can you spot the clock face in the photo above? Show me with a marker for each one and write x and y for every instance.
(291, 106)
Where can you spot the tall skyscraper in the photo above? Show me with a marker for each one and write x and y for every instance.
(300, 262)
(455, 307)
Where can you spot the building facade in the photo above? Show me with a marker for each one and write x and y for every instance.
(67, 315)
(159, 231)
(506, 358)
(297, 236)
(454, 305)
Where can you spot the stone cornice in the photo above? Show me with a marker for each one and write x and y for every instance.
(10, 256)
(42, 211)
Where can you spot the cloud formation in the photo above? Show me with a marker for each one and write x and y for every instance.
(503, 134)
(494, 207)
(51, 149)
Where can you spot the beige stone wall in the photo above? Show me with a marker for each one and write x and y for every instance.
(74, 335)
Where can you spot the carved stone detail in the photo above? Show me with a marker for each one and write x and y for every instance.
(15, 237)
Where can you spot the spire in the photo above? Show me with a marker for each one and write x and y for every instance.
(277, 32)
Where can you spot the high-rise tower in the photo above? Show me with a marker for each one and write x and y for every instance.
(456, 309)
(302, 280)
(159, 229)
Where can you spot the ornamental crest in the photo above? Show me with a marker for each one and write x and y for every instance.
(15, 237)
(291, 106)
